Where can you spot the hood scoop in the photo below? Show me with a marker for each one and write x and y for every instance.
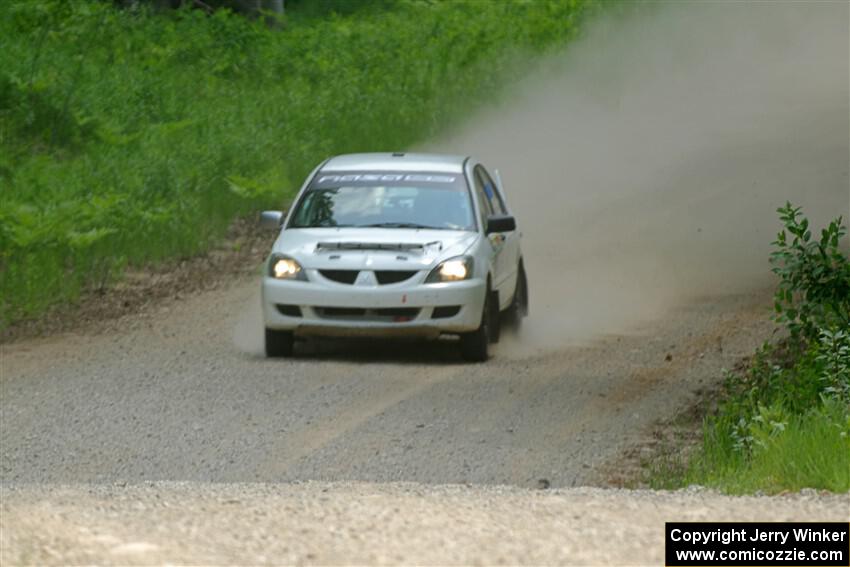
(414, 247)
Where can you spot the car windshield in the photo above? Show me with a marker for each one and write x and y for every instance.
(386, 200)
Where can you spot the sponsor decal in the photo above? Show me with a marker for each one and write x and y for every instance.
(382, 177)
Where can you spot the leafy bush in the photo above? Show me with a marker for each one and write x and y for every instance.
(814, 287)
(833, 355)
(132, 135)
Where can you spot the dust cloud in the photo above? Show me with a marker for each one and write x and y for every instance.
(646, 162)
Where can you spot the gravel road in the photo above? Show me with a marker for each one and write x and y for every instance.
(184, 394)
(169, 438)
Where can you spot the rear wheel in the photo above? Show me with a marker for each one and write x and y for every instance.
(519, 306)
(474, 346)
(495, 318)
(278, 343)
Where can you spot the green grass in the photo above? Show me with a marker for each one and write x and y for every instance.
(813, 451)
(129, 136)
(784, 424)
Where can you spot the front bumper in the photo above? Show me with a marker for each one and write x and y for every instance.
(315, 308)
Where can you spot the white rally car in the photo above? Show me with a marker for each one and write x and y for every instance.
(394, 245)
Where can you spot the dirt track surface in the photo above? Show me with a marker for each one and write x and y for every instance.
(169, 438)
(186, 395)
(356, 523)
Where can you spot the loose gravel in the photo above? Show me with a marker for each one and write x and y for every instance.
(173, 440)
(185, 394)
(359, 523)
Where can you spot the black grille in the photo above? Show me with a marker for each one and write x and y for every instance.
(397, 311)
(368, 314)
(445, 311)
(341, 276)
(393, 276)
(289, 310)
(341, 311)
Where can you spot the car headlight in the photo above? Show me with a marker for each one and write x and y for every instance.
(452, 270)
(285, 268)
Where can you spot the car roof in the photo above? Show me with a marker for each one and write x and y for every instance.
(396, 162)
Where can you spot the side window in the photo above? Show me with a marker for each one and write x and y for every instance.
(483, 201)
(497, 206)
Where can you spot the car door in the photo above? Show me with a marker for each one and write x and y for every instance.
(512, 251)
(505, 244)
(485, 210)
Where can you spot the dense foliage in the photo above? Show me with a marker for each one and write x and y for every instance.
(130, 135)
(814, 287)
(784, 424)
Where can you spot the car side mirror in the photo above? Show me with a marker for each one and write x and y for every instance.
(271, 219)
(500, 223)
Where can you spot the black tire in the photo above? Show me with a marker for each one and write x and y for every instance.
(495, 322)
(519, 306)
(278, 343)
(475, 346)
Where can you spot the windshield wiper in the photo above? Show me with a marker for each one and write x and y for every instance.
(399, 225)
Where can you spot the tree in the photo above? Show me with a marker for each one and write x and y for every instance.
(255, 7)
(251, 7)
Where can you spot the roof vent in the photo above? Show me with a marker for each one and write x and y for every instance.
(398, 154)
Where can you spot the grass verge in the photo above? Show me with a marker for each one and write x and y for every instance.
(783, 422)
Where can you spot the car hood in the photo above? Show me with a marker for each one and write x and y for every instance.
(372, 248)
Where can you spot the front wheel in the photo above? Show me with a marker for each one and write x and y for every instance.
(475, 346)
(278, 343)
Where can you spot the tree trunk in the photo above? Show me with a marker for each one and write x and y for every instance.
(250, 7)
(274, 9)
(275, 6)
